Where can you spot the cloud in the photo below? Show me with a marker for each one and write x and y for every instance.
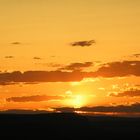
(114, 69)
(51, 65)
(7, 83)
(36, 98)
(9, 57)
(16, 43)
(30, 83)
(23, 111)
(136, 55)
(134, 108)
(43, 76)
(37, 58)
(77, 66)
(119, 69)
(129, 93)
(83, 43)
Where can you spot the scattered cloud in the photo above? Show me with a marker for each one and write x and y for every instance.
(83, 43)
(9, 57)
(36, 98)
(37, 58)
(16, 43)
(129, 93)
(77, 66)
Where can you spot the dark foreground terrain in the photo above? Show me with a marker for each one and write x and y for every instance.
(67, 125)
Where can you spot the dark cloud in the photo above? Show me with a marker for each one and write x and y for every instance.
(129, 93)
(83, 43)
(43, 76)
(9, 57)
(7, 83)
(114, 69)
(134, 108)
(21, 111)
(136, 55)
(16, 43)
(77, 66)
(36, 98)
(119, 69)
(37, 58)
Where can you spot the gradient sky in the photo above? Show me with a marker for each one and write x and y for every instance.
(37, 35)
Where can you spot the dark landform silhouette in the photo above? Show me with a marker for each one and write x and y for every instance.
(66, 125)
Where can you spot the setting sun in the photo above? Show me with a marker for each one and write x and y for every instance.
(78, 101)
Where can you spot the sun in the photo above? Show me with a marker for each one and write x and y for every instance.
(75, 100)
(78, 101)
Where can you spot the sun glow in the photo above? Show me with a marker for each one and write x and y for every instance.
(78, 101)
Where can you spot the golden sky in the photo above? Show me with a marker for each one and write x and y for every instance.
(48, 42)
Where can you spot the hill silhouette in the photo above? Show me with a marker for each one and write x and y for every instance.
(67, 125)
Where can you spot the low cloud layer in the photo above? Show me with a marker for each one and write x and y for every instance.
(129, 93)
(134, 108)
(36, 98)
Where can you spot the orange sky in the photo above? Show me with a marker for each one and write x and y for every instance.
(38, 35)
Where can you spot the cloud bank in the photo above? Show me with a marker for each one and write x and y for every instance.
(113, 69)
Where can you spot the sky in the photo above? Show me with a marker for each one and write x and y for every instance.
(67, 53)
